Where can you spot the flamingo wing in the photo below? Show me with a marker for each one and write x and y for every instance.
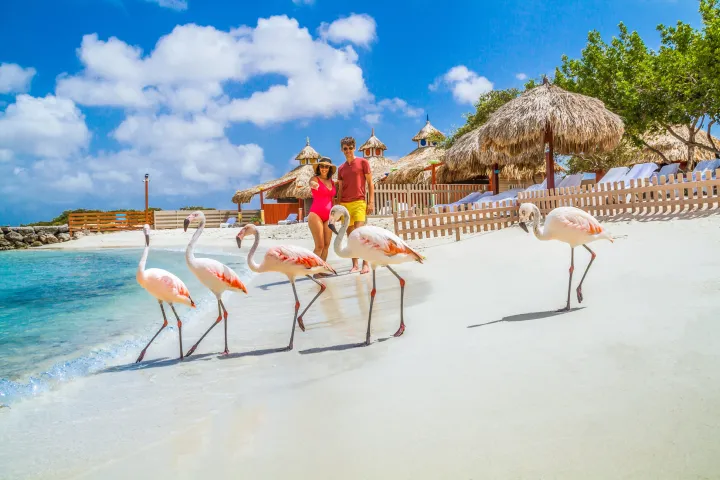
(582, 221)
(385, 241)
(298, 256)
(223, 273)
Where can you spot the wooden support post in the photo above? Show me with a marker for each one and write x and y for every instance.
(495, 179)
(549, 159)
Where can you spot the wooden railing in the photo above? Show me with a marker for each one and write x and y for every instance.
(671, 195)
(391, 198)
(165, 219)
(107, 221)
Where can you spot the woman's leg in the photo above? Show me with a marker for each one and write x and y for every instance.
(328, 240)
(316, 228)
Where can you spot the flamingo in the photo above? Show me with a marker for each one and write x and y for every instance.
(165, 287)
(216, 276)
(570, 225)
(378, 247)
(291, 260)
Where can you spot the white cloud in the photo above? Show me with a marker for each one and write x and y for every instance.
(48, 127)
(357, 28)
(372, 118)
(394, 105)
(5, 155)
(466, 85)
(521, 76)
(303, 2)
(178, 5)
(14, 78)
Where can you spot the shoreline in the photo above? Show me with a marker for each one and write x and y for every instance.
(485, 374)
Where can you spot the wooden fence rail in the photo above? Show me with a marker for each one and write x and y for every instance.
(391, 198)
(165, 219)
(671, 195)
(107, 221)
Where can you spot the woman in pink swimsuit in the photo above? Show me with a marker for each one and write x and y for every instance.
(323, 191)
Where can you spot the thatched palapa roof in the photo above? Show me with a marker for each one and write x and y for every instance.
(372, 142)
(411, 167)
(308, 152)
(579, 124)
(426, 131)
(675, 150)
(244, 196)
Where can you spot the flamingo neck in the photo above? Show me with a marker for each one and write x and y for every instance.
(190, 250)
(141, 266)
(337, 244)
(254, 266)
(537, 230)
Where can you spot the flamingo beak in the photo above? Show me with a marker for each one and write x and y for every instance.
(147, 240)
(186, 224)
(524, 227)
(332, 227)
(239, 241)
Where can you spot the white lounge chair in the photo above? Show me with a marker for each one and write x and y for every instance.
(614, 175)
(230, 222)
(571, 181)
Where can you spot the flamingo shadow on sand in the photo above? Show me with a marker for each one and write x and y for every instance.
(333, 348)
(154, 363)
(255, 353)
(524, 317)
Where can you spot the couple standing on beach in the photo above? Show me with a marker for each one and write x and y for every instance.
(353, 177)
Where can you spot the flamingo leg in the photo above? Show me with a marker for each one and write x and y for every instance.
(572, 269)
(220, 317)
(322, 289)
(297, 307)
(165, 324)
(592, 259)
(401, 330)
(179, 324)
(225, 316)
(372, 300)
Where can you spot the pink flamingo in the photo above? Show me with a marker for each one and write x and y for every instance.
(378, 247)
(291, 260)
(214, 275)
(570, 225)
(165, 287)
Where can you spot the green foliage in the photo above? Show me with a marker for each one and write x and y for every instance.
(197, 208)
(623, 155)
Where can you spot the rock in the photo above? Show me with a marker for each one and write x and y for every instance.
(63, 229)
(48, 238)
(36, 244)
(9, 247)
(77, 235)
(51, 230)
(5, 230)
(13, 237)
(30, 238)
(21, 245)
(4, 243)
(63, 237)
(23, 230)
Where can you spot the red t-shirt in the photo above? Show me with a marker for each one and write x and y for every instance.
(352, 176)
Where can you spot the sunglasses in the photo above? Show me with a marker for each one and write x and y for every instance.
(345, 149)
(324, 166)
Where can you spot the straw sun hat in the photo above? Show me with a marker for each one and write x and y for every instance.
(328, 162)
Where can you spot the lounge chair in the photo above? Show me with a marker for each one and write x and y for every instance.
(230, 222)
(570, 181)
(641, 171)
(614, 175)
(665, 171)
(292, 218)
(543, 185)
(466, 200)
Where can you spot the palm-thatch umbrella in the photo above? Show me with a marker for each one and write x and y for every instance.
(412, 168)
(569, 123)
(676, 151)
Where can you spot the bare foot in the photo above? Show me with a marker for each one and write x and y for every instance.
(354, 269)
(365, 269)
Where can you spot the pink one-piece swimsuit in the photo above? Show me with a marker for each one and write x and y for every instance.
(322, 201)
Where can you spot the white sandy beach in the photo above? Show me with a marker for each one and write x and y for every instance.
(486, 383)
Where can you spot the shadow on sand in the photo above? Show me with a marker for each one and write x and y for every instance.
(267, 286)
(524, 317)
(253, 353)
(333, 348)
(156, 363)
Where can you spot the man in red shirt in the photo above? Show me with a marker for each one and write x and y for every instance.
(353, 176)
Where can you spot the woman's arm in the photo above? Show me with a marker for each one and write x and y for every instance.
(313, 183)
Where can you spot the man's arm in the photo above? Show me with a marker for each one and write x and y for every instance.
(371, 193)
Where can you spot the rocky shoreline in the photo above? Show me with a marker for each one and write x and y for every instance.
(19, 238)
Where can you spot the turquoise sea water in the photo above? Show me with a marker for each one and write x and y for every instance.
(65, 314)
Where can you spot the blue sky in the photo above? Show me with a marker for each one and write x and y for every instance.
(212, 96)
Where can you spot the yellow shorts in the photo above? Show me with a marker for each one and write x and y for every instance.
(357, 210)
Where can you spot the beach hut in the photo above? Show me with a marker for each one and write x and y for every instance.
(287, 203)
(567, 123)
(417, 166)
